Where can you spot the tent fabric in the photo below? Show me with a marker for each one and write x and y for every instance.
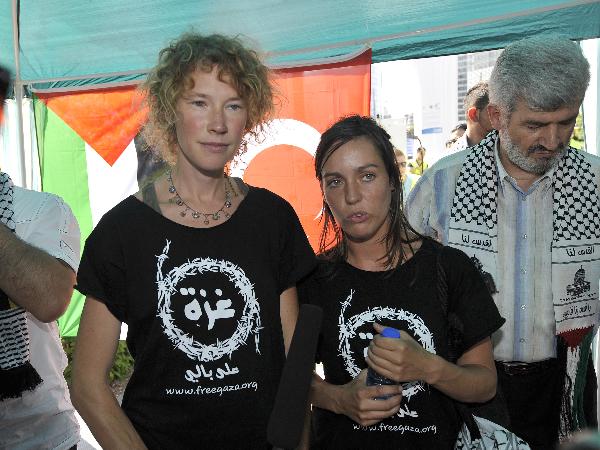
(74, 43)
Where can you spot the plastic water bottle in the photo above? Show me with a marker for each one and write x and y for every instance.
(373, 378)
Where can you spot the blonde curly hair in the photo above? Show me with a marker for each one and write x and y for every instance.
(171, 76)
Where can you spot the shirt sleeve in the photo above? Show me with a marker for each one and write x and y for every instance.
(49, 225)
(469, 298)
(308, 293)
(418, 206)
(296, 258)
(429, 204)
(102, 271)
(308, 290)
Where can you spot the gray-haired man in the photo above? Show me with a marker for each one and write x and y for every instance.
(525, 206)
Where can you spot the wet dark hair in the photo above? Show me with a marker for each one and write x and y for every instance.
(334, 248)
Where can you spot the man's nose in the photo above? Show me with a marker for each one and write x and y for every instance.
(551, 138)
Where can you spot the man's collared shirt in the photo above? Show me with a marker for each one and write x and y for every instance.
(524, 267)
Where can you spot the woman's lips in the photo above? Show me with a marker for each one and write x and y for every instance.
(215, 147)
(357, 217)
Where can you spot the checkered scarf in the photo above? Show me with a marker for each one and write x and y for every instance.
(575, 253)
(16, 372)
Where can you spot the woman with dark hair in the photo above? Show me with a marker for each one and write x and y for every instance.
(201, 267)
(376, 271)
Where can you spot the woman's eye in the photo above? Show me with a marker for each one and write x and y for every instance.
(235, 107)
(369, 176)
(199, 103)
(333, 182)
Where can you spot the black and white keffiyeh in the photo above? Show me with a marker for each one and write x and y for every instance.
(16, 372)
(575, 252)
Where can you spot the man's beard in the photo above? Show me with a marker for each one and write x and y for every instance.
(538, 166)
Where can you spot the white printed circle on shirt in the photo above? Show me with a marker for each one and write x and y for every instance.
(201, 303)
(349, 328)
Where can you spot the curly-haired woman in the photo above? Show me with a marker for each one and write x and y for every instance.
(202, 268)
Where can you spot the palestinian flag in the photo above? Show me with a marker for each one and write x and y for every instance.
(88, 157)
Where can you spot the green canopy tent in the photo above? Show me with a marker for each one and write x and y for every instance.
(67, 42)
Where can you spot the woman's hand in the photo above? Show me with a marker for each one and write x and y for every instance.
(356, 400)
(402, 359)
(472, 379)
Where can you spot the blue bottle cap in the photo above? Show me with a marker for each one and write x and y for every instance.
(390, 333)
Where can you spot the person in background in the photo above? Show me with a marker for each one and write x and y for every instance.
(407, 179)
(39, 256)
(478, 120)
(418, 166)
(525, 206)
(456, 133)
(202, 268)
(375, 271)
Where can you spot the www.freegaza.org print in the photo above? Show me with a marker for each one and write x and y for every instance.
(199, 390)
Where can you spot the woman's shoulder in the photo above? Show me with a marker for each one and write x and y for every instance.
(451, 259)
(325, 268)
(453, 256)
(268, 204)
(327, 260)
(312, 287)
(261, 194)
(125, 212)
(447, 252)
(428, 245)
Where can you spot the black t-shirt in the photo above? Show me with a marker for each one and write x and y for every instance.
(203, 315)
(406, 299)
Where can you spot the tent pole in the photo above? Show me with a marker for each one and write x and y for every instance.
(18, 87)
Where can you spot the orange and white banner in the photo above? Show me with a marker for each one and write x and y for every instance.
(313, 98)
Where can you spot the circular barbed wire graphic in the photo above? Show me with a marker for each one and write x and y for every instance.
(348, 329)
(249, 322)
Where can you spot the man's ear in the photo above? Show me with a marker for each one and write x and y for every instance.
(495, 116)
(472, 114)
